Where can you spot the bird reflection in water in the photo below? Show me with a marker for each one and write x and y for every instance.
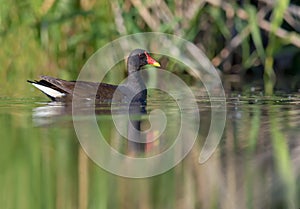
(138, 142)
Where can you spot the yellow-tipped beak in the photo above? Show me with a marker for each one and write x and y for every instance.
(155, 64)
(152, 61)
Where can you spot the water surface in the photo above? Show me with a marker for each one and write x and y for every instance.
(256, 164)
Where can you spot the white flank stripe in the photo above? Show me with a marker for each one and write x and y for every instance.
(49, 91)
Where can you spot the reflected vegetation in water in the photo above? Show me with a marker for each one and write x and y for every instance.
(256, 165)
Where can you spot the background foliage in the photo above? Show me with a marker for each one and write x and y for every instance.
(56, 37)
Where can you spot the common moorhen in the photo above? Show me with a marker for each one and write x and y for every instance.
(63, 91)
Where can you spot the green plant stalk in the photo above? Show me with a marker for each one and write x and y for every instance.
(269, 75)
(255, 32)
(277, 17)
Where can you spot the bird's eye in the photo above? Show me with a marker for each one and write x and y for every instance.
(141, 55)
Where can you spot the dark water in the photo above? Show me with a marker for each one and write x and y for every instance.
(256, 163)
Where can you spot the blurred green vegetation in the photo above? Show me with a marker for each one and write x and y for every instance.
(45, 166)
(57, 37)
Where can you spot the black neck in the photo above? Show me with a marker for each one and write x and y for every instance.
(135, 83)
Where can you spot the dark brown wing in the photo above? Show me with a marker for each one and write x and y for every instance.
(84, 89)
